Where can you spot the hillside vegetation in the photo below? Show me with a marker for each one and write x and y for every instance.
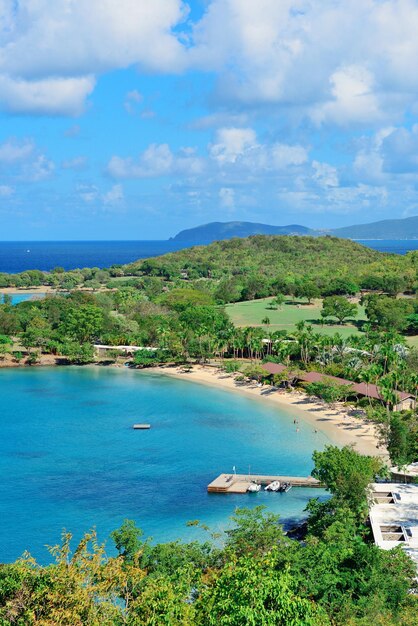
(259, 266)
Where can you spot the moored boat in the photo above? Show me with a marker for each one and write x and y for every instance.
(253, 487)
(274, 486)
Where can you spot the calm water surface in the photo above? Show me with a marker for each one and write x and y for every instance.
(69, 457)
(18, 256)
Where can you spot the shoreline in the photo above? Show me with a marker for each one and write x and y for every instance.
(342, 425)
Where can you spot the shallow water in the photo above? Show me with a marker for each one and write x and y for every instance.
(69, 457)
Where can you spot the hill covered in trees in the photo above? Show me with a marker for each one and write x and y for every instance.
(259, 266)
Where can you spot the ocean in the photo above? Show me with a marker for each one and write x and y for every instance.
(69, 457)
(19, 256)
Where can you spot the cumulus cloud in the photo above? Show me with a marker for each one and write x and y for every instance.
(49, 96)
(6, 191)
(300, 54)
(157, 160)
(22, 160)
(240, 146)
(114, 197)
(326, 175)
(292, 54)
(50, 52)
(12, 150)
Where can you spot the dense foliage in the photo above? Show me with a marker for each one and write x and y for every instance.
(253, 574)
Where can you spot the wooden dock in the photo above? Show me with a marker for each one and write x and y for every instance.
(239, 483)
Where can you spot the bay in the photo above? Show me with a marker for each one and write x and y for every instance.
(69, 457)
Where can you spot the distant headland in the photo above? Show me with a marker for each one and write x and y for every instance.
(406, 228)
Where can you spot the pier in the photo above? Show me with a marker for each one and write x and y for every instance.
(239, 483)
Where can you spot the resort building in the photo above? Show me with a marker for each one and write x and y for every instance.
(393, 516)
(405, 400)
(101, 350)
(405, 473)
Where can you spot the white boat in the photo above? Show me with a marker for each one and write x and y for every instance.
(285, 487)
(274, 486)
(253, 487)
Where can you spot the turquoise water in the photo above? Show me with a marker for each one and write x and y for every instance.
(22, 297)
(69, 457)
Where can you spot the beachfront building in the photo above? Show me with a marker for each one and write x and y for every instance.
(393, 515)
(101, 350)
(405, 400)
(405, 473)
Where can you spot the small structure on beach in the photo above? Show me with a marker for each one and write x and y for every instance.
(101, 350)
(405, 400)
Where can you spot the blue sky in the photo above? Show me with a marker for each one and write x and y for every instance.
(134, 119)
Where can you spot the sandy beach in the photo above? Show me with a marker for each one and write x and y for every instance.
(31, 291)
(342, 425)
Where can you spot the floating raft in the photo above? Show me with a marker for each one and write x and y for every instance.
(141, 426)
(239, 483)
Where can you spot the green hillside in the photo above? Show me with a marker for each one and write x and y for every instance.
(260, 266)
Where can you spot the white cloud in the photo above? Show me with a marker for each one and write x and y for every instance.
(41, 168)
(48, 96)
(326, 175)
(114, 196)
(87, 192)
(337, 61)
(156, 160)
(50, 52)
(132, 100)
(352, 98)
(232, 143)
(240, 147)
(6, 191)
(23, 161)
(77, 163)
(12, 150)
(284, 155)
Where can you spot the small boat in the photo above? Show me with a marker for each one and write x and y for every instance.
(253, 488)
(274, 486)
(141, 426)
(285, 487)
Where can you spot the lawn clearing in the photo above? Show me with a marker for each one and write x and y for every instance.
(286, 317)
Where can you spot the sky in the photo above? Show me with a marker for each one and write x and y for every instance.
(134, 119)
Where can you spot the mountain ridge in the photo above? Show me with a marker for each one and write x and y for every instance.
(402, 228)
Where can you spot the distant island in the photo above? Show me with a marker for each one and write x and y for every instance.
(217, 231)
(406, 228)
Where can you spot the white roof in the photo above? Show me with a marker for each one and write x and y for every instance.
(395, 523)
(406, 470)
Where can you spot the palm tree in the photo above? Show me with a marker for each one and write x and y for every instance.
(366, 376)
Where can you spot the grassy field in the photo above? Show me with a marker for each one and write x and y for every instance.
(287, 316)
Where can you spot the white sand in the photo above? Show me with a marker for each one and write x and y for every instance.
(342, 425)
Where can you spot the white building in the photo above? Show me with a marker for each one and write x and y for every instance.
(394, 516)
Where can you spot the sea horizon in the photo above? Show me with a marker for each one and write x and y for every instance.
(19, 256)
